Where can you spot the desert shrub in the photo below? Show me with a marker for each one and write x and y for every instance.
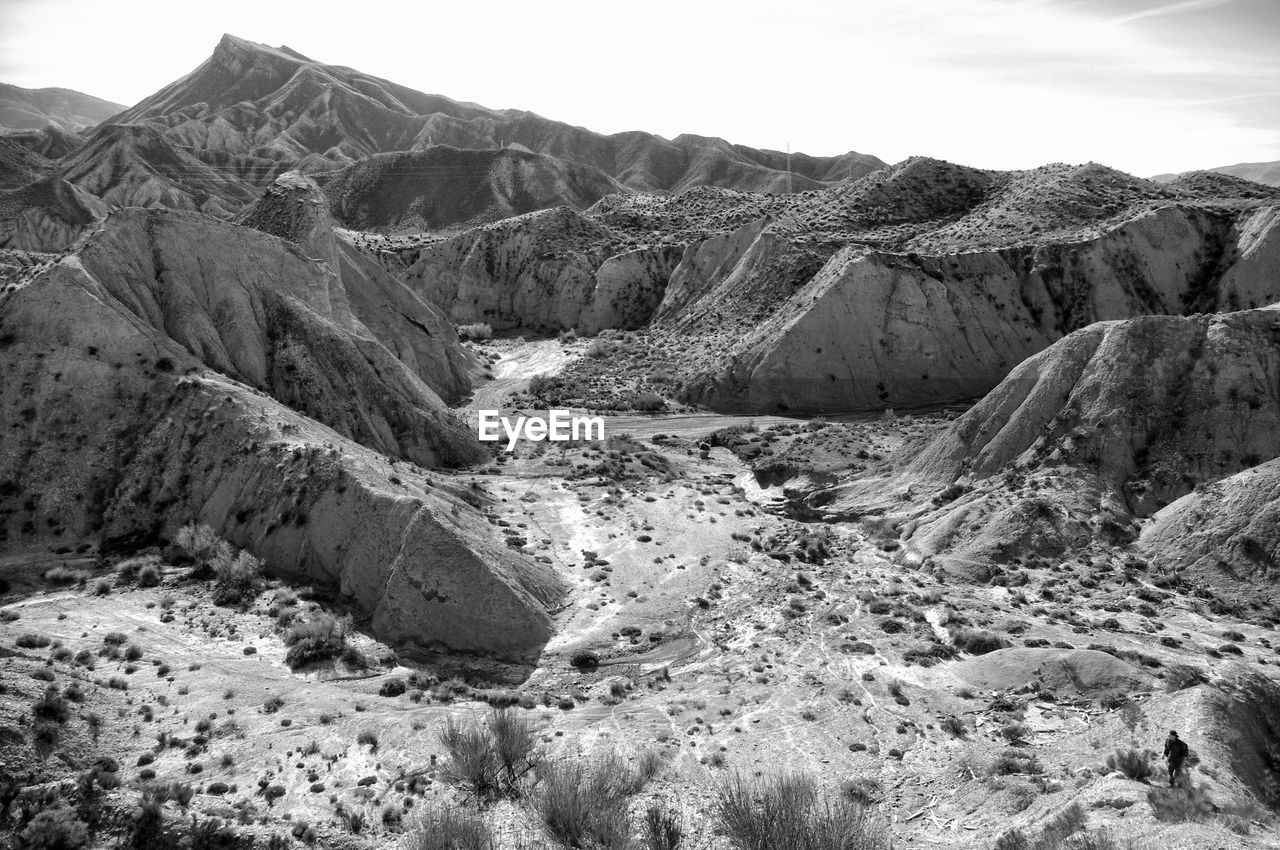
(31, 640)
(1133, 763)
(663, 828)
(203, 544)
(51, 706)
(1192, 803)
(392, 687)
(213, 834)
(477, 331)
(954, 726)
(441, 827)
(1065, 824)
(472, 762)
(55, 828)
(368, 736)
(236, 578)
(585, 660)
(788, 811)
(583, 804)
(128, 570)
(1181, 676)
(978, 641)
(317, 639)
(492, 757)
(1016, 761)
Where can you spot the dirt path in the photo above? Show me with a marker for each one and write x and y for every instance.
(516, 367)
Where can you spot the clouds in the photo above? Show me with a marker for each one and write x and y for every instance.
(1144, 85)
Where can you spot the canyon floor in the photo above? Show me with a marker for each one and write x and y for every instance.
(706, 633)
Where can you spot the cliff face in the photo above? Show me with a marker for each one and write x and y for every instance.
(1119, 421)
(121, 433)
(873, 329)
(253, 307)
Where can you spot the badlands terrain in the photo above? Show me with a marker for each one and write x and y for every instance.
(931, 498)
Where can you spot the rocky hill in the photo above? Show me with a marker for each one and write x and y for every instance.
(1256, 172)
(251, 111)
(923, 283)
(441, 188)
(35, 109)
(1165, 417)
(278, 388)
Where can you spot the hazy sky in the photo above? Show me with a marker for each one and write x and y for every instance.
(1143, 85)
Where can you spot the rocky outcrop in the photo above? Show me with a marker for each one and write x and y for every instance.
(1228, 528)
(443, 187)
(255, 308)
(1113, 423)
(48, 214)
(120, 434)
(1253, 277)
(873, 329)
(415, 330)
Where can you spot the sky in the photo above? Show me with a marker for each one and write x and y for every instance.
(1147, 86)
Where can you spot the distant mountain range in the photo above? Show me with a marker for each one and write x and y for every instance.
(35, 109)
(1259, 172)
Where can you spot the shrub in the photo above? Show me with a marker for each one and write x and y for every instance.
(1181, 676)
(472, 762)
(237, 577)
(663, 828)
(320, 638)
(441, 827)
(203, 544)
(393, 687)
(1133, 763)
(513, 743)
(788, 811)
(978, 641)
(51, 706)
(477, 331)
(30, 640)
(369, 737)
(585, 805)
(55, 828)
(584, 660)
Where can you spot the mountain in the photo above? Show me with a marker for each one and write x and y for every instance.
(922, 283)
(266, 380)
(1169, 418)
(443, 187)
(252, 111)
(35, 109)
(1267, 173)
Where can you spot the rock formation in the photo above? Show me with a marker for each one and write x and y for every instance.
(136, 396)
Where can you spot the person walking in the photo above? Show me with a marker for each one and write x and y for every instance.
(1175, 753)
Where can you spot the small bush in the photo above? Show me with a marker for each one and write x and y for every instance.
(30, 640)
(320, 638)
(1181, 676)
(978, 641)
(55, 828)
(1133, 763)
(584, 805)
(788, 811)
(475, 332)
(663, 828)
(441, 827)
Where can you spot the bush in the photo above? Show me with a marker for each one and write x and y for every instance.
(203, 544)
(1181, 676)
(440, 827)
(788, 811)
(51, 706)
(30, 640)
(978, 641)
(55, 828)
(583, 805)
(663, 828)
(393, 687)
(477, 331)
(490, 758)
(320, 638)
(1133, 763)
(237, 578)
